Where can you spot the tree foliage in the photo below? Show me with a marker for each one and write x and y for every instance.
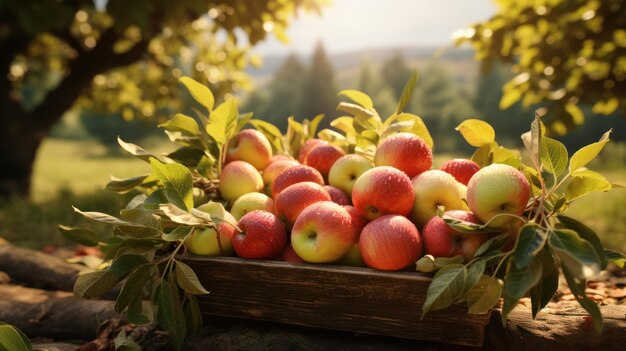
(566, 54)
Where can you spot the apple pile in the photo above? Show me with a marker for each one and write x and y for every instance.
(328, 206)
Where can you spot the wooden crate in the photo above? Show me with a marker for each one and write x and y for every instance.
(333, 297)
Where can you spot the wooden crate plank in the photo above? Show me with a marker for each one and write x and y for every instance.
(333, 297)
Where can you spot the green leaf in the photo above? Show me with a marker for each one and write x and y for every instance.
(188, 280)
(12, 339)
(345, 125)
(577, 254)
(406, 122)
(476, 132)
(407, 92)
(124, 264)
(295, 137)
(495, 243)
(446, 287)
(518, 281)
(193, 316)
(553, 156)
(543, 292)
(94, 284)
(483, 155)
(578, 285)
(587, 153)
(179, 216)
(123, 186)
(532, 139)
(584, 182)
(83, 236)
(475, 270)
(617, 258)
(136, 313)
(134, 286)
(530, 240)
(587, 234)
(124, 343)
(179, 233)
(182, 123)
(199, 92)
(272, 133)
(105, 218)
(358, 97)
(465, 226)
(135, 150)
(223, 121)
(364, 119)
(177, 183)
(170, 313)
(312, 126)
(484, 295)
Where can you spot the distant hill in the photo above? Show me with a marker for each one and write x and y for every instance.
(458, 61)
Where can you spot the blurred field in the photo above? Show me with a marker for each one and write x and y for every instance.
(74, 172)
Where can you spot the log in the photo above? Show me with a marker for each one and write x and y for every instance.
(52, 314)
(37, 269)
(570, 329)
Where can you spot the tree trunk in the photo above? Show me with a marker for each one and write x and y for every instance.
(18, 149)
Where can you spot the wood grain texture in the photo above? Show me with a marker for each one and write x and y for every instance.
(334, 297)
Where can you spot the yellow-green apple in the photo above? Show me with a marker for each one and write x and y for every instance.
(337, 195)
(353, 257)
(434, 188)
(295, 198)
(238, 178)
(290, 255)
(323, 233)
(250, 202)
(213, 241)
(199, 197)
(406, 152)
(441, 240)
(498, 189)
(293, 175)
(322, 158)
(346, 170)
(382, 190)
(390, 243)
(307, 147)
(273, 170)
(261, 235)
(461, 169)
(251, 146)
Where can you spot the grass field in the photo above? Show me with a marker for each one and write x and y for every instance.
(74, 172)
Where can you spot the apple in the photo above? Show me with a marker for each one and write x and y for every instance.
(337, 195)
(273, 170)
(390, 243)
(461, 169)
(498, 189)
(238, 178)
(290, 255)
(213, 241)
(434, 188)
(406, 152)
(307, 147)
(281, 157)
(251, 146)
(346, 170)
(293, 175)
(295, 198)
(250, 202)
(383, 190)
(261, 235)
(441, 240)
(323, 233)
(322, 158)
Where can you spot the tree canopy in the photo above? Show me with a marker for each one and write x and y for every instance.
(55, 52)
(566, 54)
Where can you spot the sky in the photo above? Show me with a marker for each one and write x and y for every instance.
(349, 25)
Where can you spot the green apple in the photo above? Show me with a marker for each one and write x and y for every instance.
(346, 170)
(238, 178)
(213, 241)
(250, 202)
(434, 188)
(498, 189)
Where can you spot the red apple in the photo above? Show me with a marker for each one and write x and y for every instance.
(251, 146)
(273, 170)
(461, 169)
(307, 147)
(390, 243)
(295, 198)
(261, 235)
(337, 195)
(293, 175)
(353, 257)
(238, 178)
(441, 240)
(322, 158)
(290, 255)
(406, 152)
(323, 233)
(383, 190)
